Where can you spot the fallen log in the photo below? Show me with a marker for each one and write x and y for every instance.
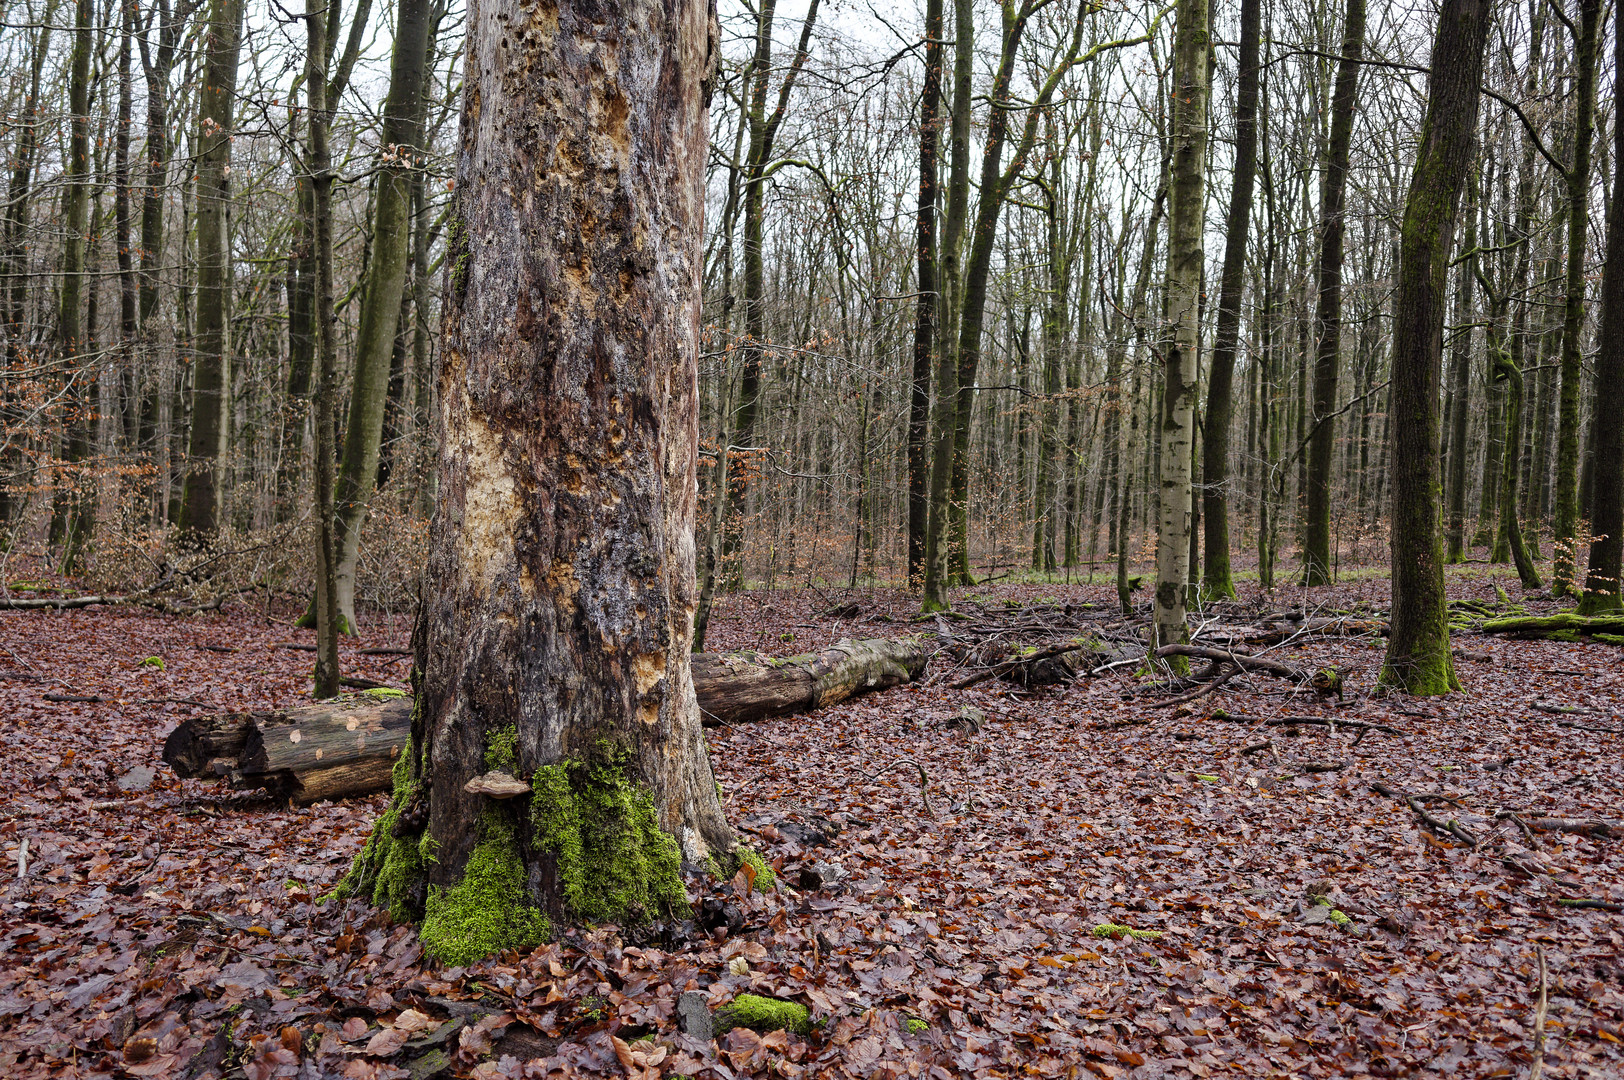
(346, 747)
(1564, 627)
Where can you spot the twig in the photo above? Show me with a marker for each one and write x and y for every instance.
(1599, 905)
(1539, 1018)
(1312, 721)
(1452, 828)
(1226, 672)
(924, 781)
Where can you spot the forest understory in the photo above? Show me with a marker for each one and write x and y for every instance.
(1288, 920)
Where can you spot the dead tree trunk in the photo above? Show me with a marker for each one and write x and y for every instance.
(553, 641)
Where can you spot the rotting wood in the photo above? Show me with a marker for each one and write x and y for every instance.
(1324, 681)
(347, 747)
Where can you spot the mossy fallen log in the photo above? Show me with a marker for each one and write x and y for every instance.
(1567, 626)
(346, 747)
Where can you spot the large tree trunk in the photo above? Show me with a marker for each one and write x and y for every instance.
(347, 748)
(211, 369)
(1418, 659)
(1216, 485)
(1606, 565)
(1175, 425)
(553, 640)
(1328, 316)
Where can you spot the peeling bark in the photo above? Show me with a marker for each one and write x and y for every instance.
(559, 597)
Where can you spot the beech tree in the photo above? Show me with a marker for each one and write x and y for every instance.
(552, 646)
(1418, 659)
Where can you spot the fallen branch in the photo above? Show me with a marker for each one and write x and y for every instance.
(1312, 721)
(1325, 681)
(1226, 671)
(1596, 905)
(1564, 627)
(1539, 1017)
(1450, 828)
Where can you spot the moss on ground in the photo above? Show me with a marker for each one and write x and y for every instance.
(1118, 931)
(765, 875)
(763, 1014)
(614, 864)
(489, 909)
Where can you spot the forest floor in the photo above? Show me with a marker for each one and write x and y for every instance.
(157, 927)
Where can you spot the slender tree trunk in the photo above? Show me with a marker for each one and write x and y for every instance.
(318, 163)
(1460, 384)
(1216, 483)
(1565, 537)
(402, 154)
(211, 368)
(1606, 564)
(1176, 421)
(123, 241)
(1418, 658)
(71, 501)
(553, 641)
(1328, 317)
(929, 302)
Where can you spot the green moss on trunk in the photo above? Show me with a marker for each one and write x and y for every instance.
(488, 910)
(613, 863)
(388, 870)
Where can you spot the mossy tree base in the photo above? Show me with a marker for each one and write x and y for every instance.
(586, 847)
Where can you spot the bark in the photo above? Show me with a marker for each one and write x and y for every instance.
(1606, 562)
(402, 154)
(211, 368)
(553, 636)
(68, 523)
(928, 307)
(1565, 527)
(130, 390)
(318, 163)
(1460, 386)
(1418, 658)
(1328, 316)
(1176, 423)
(347, 748)
(1216, 484)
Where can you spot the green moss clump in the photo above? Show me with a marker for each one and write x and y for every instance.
(388, 869)
(765, 875)
(502, 751)
(382, 693)
(152, 662)
(1118, 931)
(914, 1026)
(1209, 778)
(763, 1014)
(488, 910)
(614, 864)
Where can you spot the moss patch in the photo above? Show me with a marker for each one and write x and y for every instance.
(1118, 931)
(388, 869)
(382, 693)
(765, 875)
(763, 1014)
(502, 751)
(488, 910)
(613, 862)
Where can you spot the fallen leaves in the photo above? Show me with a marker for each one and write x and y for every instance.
(179, 930)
